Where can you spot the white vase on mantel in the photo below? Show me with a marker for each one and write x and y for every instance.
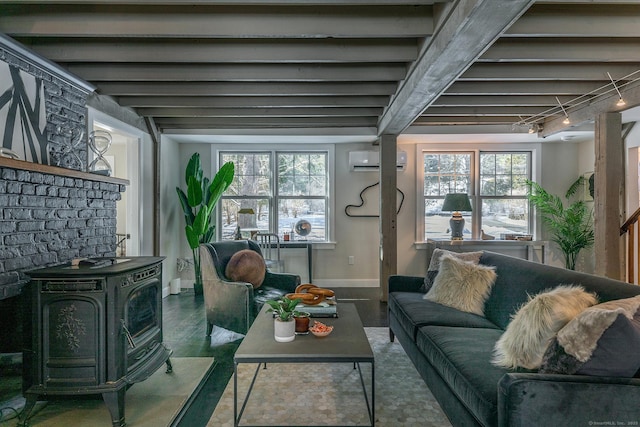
(284, 331)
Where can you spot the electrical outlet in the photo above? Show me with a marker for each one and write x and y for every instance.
(352, 260)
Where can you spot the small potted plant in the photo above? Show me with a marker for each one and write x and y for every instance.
(284, 322)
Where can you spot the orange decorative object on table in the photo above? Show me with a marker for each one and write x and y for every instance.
(319, 329)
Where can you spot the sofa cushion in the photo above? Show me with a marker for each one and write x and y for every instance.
(462, 285)
(246, 266)
(434, 264)
(603, 340)
(462, 358)
(412, 311)
(536, 323)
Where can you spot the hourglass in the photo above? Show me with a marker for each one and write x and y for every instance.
(99, 142)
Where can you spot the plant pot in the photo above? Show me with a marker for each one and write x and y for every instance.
(302, 323)
(284, 331)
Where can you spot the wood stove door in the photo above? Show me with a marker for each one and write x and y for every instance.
(73, 330)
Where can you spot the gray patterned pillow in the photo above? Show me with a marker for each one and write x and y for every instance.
(603, 340)
(434, 264)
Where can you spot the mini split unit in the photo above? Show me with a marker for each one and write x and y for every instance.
(363, 161)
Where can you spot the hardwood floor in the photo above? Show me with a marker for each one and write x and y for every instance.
(185, 333)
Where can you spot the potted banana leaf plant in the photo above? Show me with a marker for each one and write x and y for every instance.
(198, 204)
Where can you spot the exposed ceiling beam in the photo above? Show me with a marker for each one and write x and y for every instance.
(469, 27)
(206, 21)
(98, 72)
(563, 50)
(260, 112)
(247, 89)
(589, 20)
(253, 101)
(527, 71)
(271, 122)
(498, 100)
(234, 50)
(550, 88)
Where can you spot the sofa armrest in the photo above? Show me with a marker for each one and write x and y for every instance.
(526, 399)
(286, 282)
(398, 283)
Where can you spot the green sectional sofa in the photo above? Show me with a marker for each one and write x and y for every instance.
(452, 350)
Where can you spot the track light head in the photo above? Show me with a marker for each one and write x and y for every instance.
(621, 102)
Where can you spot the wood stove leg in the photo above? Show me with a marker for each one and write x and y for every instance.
(32, 399)
(169, 366)
(115, 403)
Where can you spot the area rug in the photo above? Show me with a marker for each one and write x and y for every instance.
(155, 402)
(331, 394)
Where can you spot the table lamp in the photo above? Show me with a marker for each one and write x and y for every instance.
(456, 202)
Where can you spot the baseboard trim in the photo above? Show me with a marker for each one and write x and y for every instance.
(348, 283)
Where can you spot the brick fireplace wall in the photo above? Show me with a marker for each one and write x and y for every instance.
(49, 218)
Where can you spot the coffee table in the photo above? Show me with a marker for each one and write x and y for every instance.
(347, 343)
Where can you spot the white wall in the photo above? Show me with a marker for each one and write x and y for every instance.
(357, 237)
(171, 220)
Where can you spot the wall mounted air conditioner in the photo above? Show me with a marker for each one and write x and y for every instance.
(363, 161)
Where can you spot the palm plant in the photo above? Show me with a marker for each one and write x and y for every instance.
(571, 227)
(198, 204)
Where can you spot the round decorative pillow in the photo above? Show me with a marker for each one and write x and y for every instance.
(246, 266)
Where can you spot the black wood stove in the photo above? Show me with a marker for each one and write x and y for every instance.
(94, 328)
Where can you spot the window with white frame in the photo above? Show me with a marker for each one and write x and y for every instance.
(495, 182)
(277, 192)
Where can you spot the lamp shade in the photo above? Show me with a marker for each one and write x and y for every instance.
(249, 211)
(456, 202)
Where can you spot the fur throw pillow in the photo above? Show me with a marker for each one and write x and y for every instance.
(603, 340)
(535, 324)
(434, 263)
(462, 285)
(246, 266)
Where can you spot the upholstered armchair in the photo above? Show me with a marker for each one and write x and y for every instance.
(233, 305)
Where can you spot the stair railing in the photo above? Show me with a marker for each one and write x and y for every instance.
(632, 230)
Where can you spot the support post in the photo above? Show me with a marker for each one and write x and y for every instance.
(388, 215)
(609, 196)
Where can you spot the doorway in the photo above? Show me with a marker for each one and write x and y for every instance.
(123, 156)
